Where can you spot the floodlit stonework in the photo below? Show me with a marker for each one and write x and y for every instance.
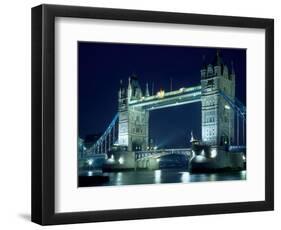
(217, 117)
(133, 121)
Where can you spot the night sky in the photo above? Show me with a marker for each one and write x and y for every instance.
(102, 66)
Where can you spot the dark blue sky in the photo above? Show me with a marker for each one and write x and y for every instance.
(102, 65)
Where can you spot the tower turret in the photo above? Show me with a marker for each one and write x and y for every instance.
(204, 68)
(147, 90)
(129, 90)
(210, 70)
(218, 63)
(134, 89)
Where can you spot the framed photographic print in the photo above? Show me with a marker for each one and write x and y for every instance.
(141, 114)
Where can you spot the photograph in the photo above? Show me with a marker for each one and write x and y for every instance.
(155, 114)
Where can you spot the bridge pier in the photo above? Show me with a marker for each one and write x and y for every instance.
(120, 159)
(147, 163)
(214, 158)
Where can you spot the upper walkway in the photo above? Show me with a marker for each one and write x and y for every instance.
(169, 99)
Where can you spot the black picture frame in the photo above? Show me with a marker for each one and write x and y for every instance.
(43, 114)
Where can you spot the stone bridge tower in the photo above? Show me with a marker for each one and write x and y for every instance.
(133, 122)
(217, 116)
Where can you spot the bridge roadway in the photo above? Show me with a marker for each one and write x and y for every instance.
(141, 155)
(169, 99)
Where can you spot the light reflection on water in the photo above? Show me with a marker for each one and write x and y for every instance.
(119, 176)
(168, 176)
(157, 176)
(185, 177)
(243, 173)
(90, 173)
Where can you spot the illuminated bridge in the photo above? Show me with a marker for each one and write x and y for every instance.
(223, 124)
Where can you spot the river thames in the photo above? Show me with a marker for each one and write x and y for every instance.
(157, 177)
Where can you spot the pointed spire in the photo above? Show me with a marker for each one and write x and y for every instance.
(218, 60)
(192, 137)
(129, 91)
(147, 90)
(121, 88)
(129, 83)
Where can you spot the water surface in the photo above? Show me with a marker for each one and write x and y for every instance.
(164, 176)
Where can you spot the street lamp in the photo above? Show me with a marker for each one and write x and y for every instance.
(90, 163)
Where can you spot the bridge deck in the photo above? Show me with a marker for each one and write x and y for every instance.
(161, 152)
(169, 99)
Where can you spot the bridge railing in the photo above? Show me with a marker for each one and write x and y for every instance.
(240, 112)
(160, 152)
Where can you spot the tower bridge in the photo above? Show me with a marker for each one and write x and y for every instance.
(221, 114)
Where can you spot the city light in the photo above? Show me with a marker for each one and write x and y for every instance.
(200, 158)
(90, 173)
(90, 162)
(157, 176)
(227, 107)
(111, 159)
(213, 153)
(121, 160)
(161, 93)
(185, 177)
